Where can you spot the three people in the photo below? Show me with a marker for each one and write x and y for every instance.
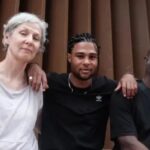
(130, 121)
(76, 105)
(23, 37)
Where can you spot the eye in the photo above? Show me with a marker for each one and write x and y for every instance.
(93, 57)
(80, 56)
(36, 38)
(23, 33)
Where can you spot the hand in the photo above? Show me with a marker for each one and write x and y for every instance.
(37, 77)
(128, 85)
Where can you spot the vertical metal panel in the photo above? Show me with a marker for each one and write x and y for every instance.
(57, 17)
(140, 34)
(8, 8)
(101, 28)
(34, 6)
(122, 46)
(148, 14)
(79, 16)
(121, 27)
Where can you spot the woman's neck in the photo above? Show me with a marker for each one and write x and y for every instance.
(12, 74)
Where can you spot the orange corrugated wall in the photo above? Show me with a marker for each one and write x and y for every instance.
(121, 27)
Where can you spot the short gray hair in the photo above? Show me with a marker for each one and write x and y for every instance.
(24, 17)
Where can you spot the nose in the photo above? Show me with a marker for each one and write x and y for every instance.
(29, 39)
(86, 60)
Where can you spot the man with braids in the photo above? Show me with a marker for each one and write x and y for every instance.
(76, 105)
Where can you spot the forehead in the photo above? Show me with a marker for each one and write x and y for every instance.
(33, 27)
(85, 47)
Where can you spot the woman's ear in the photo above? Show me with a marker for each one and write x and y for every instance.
(5, 39)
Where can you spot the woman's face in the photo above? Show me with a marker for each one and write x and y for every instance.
(24, 41)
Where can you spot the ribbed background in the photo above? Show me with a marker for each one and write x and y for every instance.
(121, 27)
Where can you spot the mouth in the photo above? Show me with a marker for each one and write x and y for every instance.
(86, 71)
(27, 50)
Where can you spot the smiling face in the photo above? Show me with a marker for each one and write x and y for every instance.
(24, 41)
(83, 60)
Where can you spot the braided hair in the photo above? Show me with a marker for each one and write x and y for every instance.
(83, 37)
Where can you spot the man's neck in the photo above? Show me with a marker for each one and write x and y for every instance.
(78, 82)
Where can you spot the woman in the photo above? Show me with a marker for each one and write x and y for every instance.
(23, 37)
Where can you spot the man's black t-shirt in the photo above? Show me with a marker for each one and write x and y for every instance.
(75, 119)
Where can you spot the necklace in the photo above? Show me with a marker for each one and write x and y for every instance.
(69, 84)
(79, 90)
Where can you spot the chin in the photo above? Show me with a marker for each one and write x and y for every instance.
(86, 77)
(26, 59)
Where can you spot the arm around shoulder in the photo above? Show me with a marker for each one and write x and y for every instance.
(128, 85)
(36, 76)
(121, 117)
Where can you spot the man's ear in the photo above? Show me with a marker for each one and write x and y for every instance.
(69, 57)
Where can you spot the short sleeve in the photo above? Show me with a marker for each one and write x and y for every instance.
(121, 118)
